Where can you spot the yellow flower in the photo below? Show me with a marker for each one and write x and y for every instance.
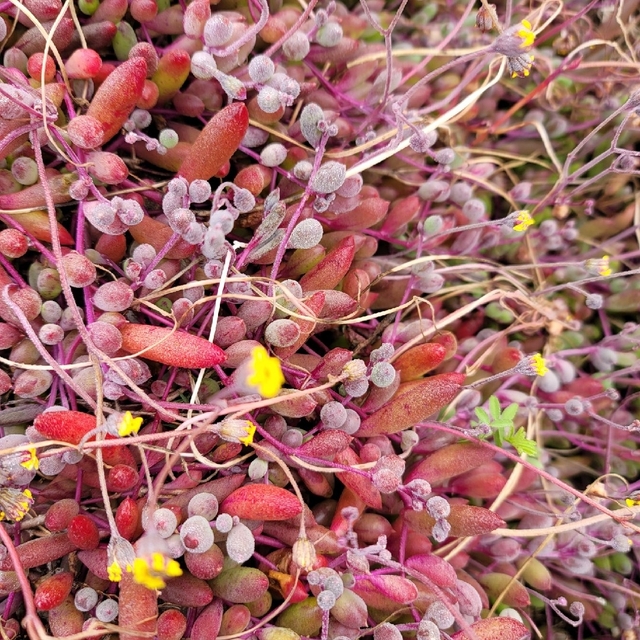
(129, 425)
(151, 572)
(523, 221)
(632, 503)
(31, 463)
(120, 555)
(604, 268)
(265, 373)
(241, 431)
(115, 572)
(539, 364)
(598, 266)
(14, 504)
(527, 34)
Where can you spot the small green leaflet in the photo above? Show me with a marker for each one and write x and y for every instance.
(501, 421)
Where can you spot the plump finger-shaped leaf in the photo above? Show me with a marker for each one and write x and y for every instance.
(465, 520)
(314, 304)
(33, 196)
(138, 609)
(436, 569)
(262, 502)
(240, 585)
(418, 360)
(332, 268)
(173, 69)
(116, 97)
(512, 593)
(220, 488)
(187, 591)
(350, 610)
(298, 407)
(177, 349)
(71, 426)
(450, 461)
(535, 573)
(359, 484)
(207, 624)
(495, 629)
(53, 590)
(171, 160)
(303, 618)
(37, 224)
(325, 445)
(39, 551)
(96, 561)
(413, 402)
(65, 619)
(386, 592)
(217, 142)
(348, 498)
(368, 213)
(158, 234)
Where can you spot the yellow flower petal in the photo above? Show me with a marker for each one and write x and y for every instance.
(115, 572)
(129, 425)
(539, 364)
(523, 220)
(266, 373)
(251, 431)
(32, 463)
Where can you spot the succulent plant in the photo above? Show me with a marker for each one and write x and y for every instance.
(307, 330)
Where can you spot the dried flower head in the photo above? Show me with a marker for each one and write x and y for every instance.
(241, 431)
(599, 267)
(355, 370)
(520, 66)
(120, 557)
(14, 503)
(485, 18)
(304, 554)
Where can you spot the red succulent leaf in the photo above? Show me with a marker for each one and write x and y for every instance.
(37, 224)
(465, 520)
(450, 461)
(217, 142)
(359, 484)
(175, 348)
(413, 402)
(53, 590)
(116, 97)
(439, 571)
(83, 532)
(138, 609)
(386, 592)
(419, 360)
(39, 551)
(495, 629)
(187, 591)
(127, 518)
(207, 624)
(262, 502)
(332, 268)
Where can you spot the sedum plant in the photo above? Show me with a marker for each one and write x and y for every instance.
(318, 319)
